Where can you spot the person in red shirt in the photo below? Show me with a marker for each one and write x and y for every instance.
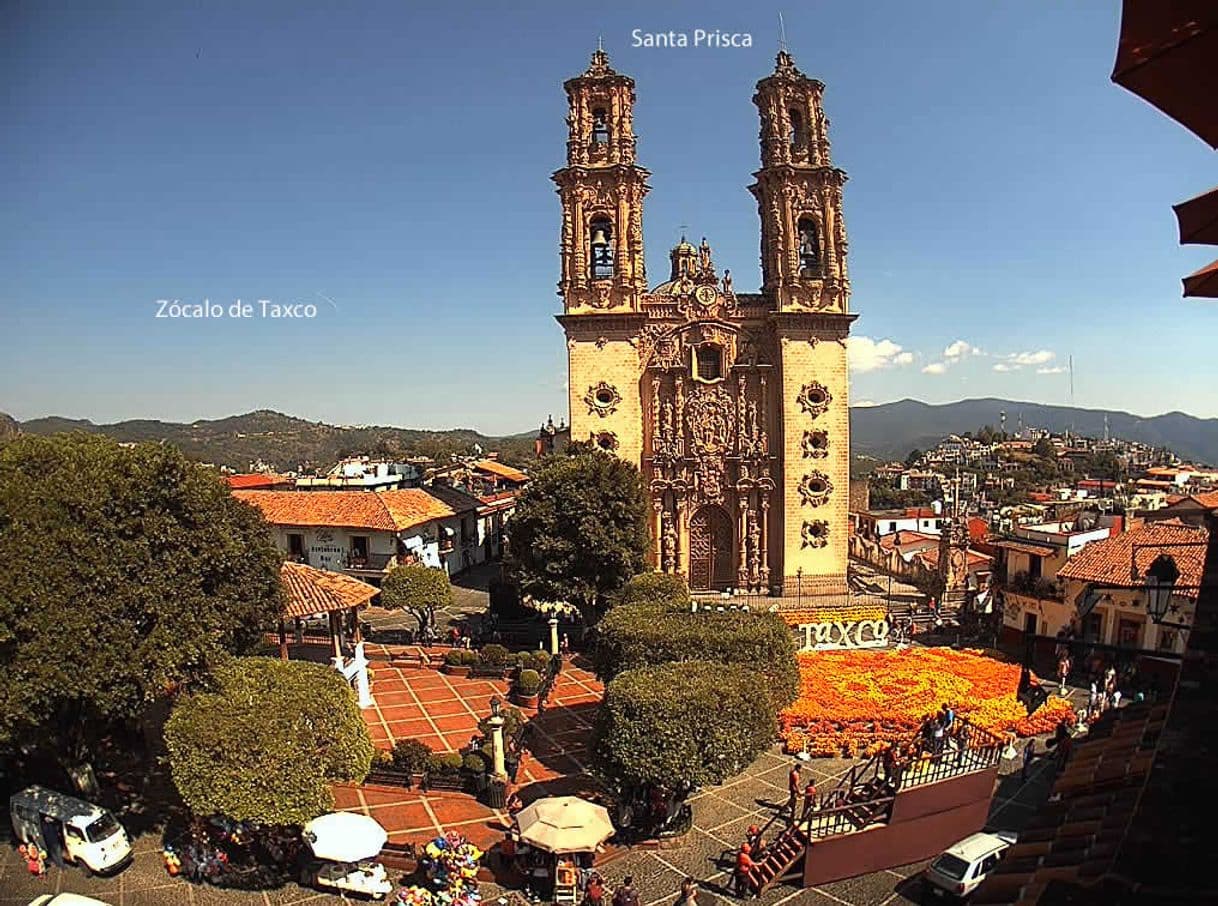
(809, 800)
(744, 865)
(594, 893)
(794, 786)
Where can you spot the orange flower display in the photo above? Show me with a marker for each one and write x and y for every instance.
(850, 702)
(849, 614)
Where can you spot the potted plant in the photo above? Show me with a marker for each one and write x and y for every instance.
(493, 656)
(454, 663)
(411, 757)
(525, 690)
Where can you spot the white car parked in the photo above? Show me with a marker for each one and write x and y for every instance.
(964, 865)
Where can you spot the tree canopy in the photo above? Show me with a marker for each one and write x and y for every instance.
(127, 571)
(688, 724)
(265, 742)
(580, 529)
(638, 635)
(417, 589)
(666, 589)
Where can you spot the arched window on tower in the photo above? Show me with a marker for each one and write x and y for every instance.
(799, 132)
(600, 248)
(809, 248)
(600, 126)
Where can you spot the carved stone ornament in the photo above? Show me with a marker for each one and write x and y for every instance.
(815, 533)
(600, 297)
(815, 488)
(814, 398)
(708, 416)
(602, 341)
(606, 440)
(602, 399)
(815, 444)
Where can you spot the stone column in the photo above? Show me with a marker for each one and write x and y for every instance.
(498, 763)
(553, 635)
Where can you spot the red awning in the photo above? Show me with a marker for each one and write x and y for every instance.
(1167, 55)
(1198, 217)
(1203, 284)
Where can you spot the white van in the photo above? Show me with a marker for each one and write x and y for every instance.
(961, 868)
(87, 834)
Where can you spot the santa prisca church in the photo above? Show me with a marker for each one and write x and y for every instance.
(733, 404)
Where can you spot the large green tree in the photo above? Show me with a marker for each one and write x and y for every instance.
(579, 532)
(686, 724)
(265, 742)
(419, 590)
(125, 572)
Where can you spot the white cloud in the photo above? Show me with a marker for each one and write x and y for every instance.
(866, 354)
(863, 404)
(935, 368)
(1056, 369)
(960, 349)
(1040, 357)
(1003, 366)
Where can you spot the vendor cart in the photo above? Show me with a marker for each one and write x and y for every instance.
(344, 845)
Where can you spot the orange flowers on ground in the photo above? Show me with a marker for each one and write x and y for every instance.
(852, 701)
(849, 614)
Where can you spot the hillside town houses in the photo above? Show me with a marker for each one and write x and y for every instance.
(1044, 533)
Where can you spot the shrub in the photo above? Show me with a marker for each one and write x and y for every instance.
(539, 661)
(494, 655)
(528, 682)
(662, 589)
(468, 657)
(382, 758)
(454, 658)
(476, 763)
(444, 762)
(692, 723)
(411, 755)
(642, 635)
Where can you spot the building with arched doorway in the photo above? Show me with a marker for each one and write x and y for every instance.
(734, 405)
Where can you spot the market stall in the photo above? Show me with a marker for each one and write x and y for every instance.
(556, 838)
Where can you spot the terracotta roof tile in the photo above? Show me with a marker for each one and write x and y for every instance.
(502, 470)
(387, 511)
(310, 590)
(1108, 562)
(257, 480)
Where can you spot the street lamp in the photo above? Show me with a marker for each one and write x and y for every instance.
(1161, 579)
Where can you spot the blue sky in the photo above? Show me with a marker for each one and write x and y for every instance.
(394, 159)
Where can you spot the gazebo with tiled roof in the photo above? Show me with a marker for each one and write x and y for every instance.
(309, 592)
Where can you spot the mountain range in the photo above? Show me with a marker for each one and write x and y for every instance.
(891, 430)
(887, 431)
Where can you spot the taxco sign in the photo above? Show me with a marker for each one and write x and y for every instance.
(838, 635)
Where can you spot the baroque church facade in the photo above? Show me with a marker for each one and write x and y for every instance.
(734, 405)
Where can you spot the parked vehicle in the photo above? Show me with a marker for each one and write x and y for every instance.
(83, 833)
(959, 870)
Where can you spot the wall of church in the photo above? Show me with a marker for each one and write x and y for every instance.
(814, 524)
(604, 394)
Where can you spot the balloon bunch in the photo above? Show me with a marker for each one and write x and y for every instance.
(173, 862)
(412, 896)
(451, 862)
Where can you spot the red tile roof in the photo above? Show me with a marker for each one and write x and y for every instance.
(501, 470)
(257, 480)
(387, 511)
(1026, 547)
(310, 590)
(1109, 562)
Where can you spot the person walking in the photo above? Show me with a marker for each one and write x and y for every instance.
(794, 787)
(752, 837)
(1029, 753)
(744, 865)
(962, 736)
(937, 736)
(949, 717)
(626, 895)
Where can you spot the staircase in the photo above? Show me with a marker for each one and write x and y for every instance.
(781, 860)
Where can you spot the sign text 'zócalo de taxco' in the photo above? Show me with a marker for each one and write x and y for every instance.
(175, 309)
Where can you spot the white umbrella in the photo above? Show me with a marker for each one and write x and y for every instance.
(564, 824)
(345, 837)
